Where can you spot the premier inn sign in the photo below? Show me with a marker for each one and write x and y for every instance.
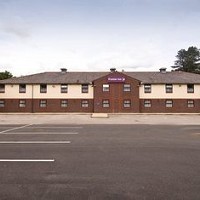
(116, 79)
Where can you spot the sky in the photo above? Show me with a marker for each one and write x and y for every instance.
(95, 35)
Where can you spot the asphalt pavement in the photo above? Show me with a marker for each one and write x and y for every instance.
(97, 162)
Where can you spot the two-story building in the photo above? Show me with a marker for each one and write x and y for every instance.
(109, 92)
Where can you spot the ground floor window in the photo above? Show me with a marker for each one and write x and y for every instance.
(190, 103)
(2, 103)
(43, 103)
(64, 103)
(84, 103)
(147, 103)
(127, 103)
(106, 103)
(22, 103)
(169, 103)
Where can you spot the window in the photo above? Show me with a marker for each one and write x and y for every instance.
(147, 103)
(169, 88)
(22, 88)
(127, 87)
(84, 88)
(127, 103)
(190, 103)
(106, 87)
(43, 88)
(2, 88)
(2, 103)
(64, 103)
(106, 103)
(84, 104)
(64, 88)
(22, 103)
(147, 88)
(190, 88)
(43, 103)
(169, 103)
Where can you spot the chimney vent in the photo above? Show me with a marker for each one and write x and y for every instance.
(163, 70)
(113, 69)
(63, 70)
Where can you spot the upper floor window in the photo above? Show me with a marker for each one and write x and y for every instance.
(22, 103)
(169, 103)
(147, 103)
(127, 88)
(190, 88)
(84, 88)
(106, 87)
(2, 88)
(169, 88)
(64, 88)
(147, 88)
(84, 103)
(43, 88)
(22, 88)
(2, 103)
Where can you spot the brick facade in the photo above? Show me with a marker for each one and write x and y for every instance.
(116, 95)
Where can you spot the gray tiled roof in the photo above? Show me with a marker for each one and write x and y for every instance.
(88, 77)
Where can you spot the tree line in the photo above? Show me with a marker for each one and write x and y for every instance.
(187, 61)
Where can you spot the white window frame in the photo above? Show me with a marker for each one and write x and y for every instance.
(106, 87)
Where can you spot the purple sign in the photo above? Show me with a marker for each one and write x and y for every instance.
(116, 79)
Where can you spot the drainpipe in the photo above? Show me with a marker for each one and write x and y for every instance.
(32, 102)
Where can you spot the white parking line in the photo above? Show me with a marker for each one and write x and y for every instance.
(35, 142)
(16, 128)
(58, 127)
(27, 160)
(40, 133)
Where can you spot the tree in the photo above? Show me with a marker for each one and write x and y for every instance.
(188, 60)
(5, 75)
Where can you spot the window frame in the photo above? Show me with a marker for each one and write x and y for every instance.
(2, 103)
(147, 88)
(43, 88)
(43, 103)
(84, 103)
(127, 87)
(64, 88)
(84, 88)
(127, 103)
(147, 103)
(22, 89)
(106, 103)
(106, 89)
(169, 103)
(190, 89)
(2, 88)
(22, 103)
(169, 88)
(63, 103)
(190, 103)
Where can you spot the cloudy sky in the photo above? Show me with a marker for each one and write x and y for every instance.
(95, 35)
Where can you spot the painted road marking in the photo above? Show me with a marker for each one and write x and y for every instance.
(35, 142)
(48, 127)
(16, 128)
(40, 133)
(27, 160)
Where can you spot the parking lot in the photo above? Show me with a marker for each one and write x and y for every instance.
(63, 161)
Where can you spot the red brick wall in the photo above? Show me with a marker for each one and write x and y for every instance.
(53, 105)
(179, 106)
(116, 95)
